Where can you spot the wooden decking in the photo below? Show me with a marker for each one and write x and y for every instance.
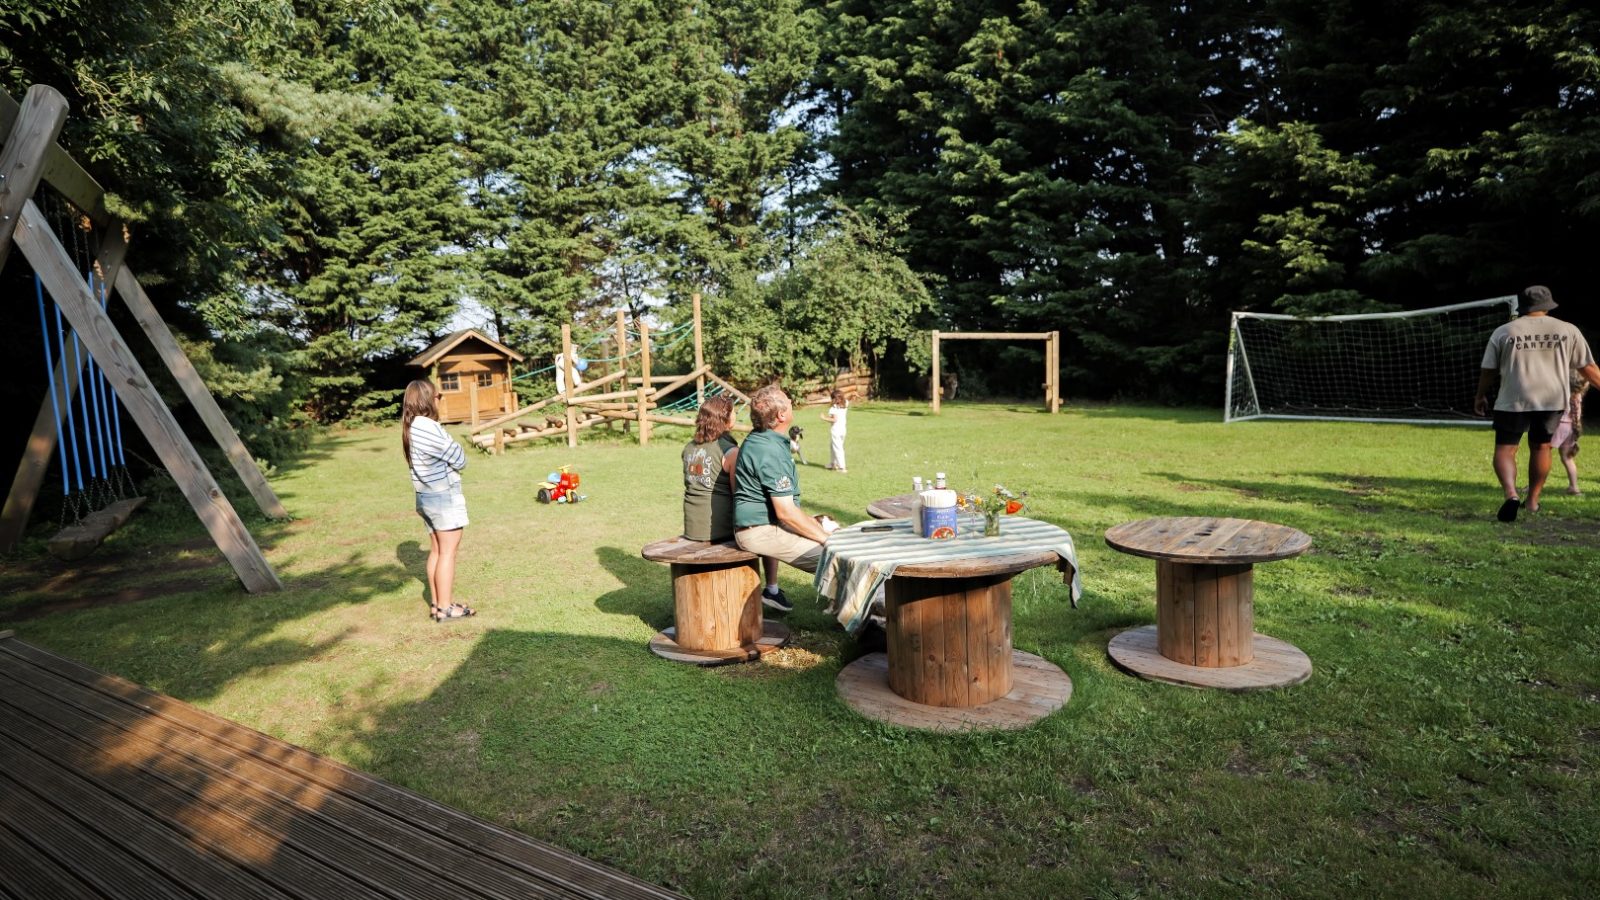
(108, 789)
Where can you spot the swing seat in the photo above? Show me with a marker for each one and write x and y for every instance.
(77, 541)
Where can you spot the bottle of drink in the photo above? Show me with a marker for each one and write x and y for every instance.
(938, 481)
(916, 484)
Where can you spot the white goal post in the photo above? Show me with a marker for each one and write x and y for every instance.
(1419, 366)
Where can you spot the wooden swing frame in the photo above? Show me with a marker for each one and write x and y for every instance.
(1052, 360)
(30, 155)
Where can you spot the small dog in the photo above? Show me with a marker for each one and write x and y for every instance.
(795, 434)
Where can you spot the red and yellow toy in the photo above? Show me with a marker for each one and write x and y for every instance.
(560, 487)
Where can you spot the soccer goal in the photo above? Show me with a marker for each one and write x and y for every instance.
(1419, 366)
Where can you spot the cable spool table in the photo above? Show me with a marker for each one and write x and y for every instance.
(1204, 634)
(949, 664)
(897, 507)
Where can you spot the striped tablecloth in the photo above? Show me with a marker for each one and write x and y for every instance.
(856, 563)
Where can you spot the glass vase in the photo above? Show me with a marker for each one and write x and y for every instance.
(991, 523)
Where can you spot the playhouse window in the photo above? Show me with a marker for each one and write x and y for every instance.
(485, 379)
(450, 382)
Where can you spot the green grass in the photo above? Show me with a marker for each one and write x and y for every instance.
(1446, 745)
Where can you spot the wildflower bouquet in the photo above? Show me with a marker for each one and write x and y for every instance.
(993, 504)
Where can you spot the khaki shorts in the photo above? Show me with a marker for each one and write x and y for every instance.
(770, 540)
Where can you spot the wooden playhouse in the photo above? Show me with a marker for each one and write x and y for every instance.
(473, 374)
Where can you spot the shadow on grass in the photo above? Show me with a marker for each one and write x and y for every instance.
(648, 594)
(193, 644)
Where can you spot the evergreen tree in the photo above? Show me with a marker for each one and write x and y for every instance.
(372, 205)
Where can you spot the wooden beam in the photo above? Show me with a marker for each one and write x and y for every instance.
(699, 354)
(934, 386)
(570, 372)
(194, 388)
(61, 171)
(995, 335)
(1055, 371)
(728, 387)
(144, 405)
(698, 376)
(644, 377)
(36, 456)
(22, 163)
(492, 424)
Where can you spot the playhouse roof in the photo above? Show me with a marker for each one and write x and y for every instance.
(450, 341)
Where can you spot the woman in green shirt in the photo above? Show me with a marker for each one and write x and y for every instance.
(708, 461)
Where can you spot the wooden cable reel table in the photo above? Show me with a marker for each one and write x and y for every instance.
(1204, 634)
(716, 592)
(949, 664)
(896, 507)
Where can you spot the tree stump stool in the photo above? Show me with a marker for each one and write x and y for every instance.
(716, 592)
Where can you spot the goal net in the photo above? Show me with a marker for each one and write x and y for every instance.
(1419, 366)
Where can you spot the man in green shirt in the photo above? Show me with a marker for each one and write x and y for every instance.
(767, 519)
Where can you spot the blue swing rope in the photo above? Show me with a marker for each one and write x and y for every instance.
(105, 402)
(55, 407)
(68, 413)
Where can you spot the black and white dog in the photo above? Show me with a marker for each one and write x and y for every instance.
(795, 434)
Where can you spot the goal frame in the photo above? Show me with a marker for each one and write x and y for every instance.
(1236, 349)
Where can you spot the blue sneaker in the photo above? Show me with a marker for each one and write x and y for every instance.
(776, 601)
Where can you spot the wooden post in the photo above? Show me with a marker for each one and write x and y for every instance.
(144, 405)
(39, 121)
(1055, 372)
(508, 397)
(566, 384)
(699, 355)
(36, 457)
(644, 385)
(644, 416)
(472, 400)
(144, 312)
(934, 386)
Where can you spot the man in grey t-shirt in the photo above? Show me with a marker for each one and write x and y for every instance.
(1533, 357)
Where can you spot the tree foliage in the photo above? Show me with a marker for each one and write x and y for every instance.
(322, 186)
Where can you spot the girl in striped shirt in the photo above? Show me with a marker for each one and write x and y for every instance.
(436, 461)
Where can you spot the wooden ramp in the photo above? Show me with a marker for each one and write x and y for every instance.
(111, 790)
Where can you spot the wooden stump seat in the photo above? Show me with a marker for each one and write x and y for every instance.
(716, 592)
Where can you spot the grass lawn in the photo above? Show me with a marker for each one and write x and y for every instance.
(1446, 745)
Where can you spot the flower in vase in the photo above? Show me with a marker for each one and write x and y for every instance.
(999, 501)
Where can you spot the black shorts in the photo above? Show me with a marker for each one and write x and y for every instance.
(1540, 426)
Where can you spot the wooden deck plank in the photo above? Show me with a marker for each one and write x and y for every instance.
(163, 785)
(226, 772)
(108, 869)
(29, 873)
(140, 833)
(438, 846)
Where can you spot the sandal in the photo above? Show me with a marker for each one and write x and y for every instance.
(453, 611)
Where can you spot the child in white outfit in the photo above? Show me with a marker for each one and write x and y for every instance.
(836, 415)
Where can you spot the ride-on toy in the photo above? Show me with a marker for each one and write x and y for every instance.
(560, 487)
